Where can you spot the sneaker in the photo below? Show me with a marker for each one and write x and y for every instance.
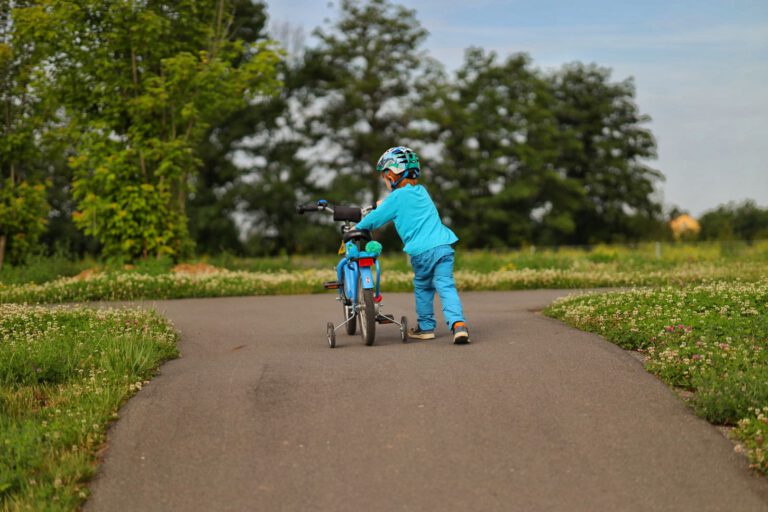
(418, 334)
(460, 333)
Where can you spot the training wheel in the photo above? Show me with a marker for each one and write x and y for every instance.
(331, 335)
(404, 329)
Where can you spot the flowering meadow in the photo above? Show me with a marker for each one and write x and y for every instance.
(710, 340)
(63, 374)
(127, 285)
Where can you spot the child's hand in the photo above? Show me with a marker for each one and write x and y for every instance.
(378, 203)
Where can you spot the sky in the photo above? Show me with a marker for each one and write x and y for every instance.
(700, 69)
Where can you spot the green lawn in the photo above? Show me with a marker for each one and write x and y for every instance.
(709, 339)
(641, 257)
(601, 266)
(132, 285)
(63, 375)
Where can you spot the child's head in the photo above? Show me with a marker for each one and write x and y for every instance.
(399, 166)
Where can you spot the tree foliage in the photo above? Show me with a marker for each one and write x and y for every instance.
(498, 182)
(24, 116)
(166, 123)
(216, 191)
(735, 221)
(22, 218)
(279, 178)
(142, 83)
(528, 157)
(604, 145)
(363, 76)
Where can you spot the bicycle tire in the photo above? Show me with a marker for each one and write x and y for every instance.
(351, 326)
(331, 335)
(366, 314)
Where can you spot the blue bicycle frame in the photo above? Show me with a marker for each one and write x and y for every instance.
(357, 265)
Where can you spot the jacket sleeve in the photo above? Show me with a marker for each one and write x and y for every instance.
(384, 213)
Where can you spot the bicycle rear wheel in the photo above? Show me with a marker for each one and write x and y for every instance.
(349, 314)
(366, 313)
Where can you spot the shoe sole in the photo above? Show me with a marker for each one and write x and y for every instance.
(421, 336)
(461, 339)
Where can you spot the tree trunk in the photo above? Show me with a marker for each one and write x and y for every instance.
(182, 197)
(2, 250)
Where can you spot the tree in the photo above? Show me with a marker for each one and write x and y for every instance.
(216, 190)
(740, 221)
(24, 116)
(498, 183)
(252, 169)
(604, 146)
(142, 83)
(278, 177)
(21, 205)
(344, 102)
(363, 76)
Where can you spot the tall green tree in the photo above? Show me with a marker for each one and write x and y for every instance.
(24, 117)
(498, 183)
(345, 101)
(363, 74)
(605, 146)
(216, 191)
(279, 176)
(142, 82)
(252, 169)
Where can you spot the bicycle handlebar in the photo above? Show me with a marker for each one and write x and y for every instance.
(307, 208)
(340, 212)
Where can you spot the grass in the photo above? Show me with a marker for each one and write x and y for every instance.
(597, 266)
(132, 285)
(41, 269)
(638, 258)
(63, 374)
(642, 257)
(710, 339)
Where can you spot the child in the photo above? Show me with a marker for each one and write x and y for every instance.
(427, 241)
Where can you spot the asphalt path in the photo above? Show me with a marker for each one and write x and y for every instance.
(260, 415)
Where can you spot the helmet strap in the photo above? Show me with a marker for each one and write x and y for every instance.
(400, 179)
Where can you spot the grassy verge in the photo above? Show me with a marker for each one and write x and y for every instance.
(637, 258)
(709, 339)
(220, 283)
(40, 269)
(63, 375)
(642, 257)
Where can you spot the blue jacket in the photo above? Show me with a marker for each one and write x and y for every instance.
(416, 219)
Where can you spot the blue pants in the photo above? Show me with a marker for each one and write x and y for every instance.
(433, 272)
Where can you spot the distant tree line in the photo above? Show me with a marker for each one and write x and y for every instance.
(512, 155)
(735, 221)
(136, 129)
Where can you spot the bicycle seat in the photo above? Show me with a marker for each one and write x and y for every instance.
(357, 234)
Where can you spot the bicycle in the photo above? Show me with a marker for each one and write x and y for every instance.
(359, 291)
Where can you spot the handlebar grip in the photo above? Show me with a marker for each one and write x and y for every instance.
(306, 208)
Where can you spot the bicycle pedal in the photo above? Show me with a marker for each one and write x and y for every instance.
(331, 285)
(385, 319)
